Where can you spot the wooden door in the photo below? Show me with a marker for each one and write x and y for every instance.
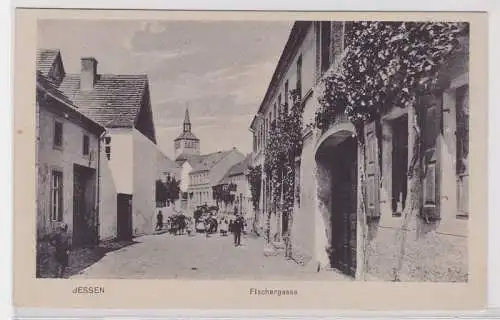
(78, 208)
(344, 208)
(124, 216)
(431, 129)
(84, 214)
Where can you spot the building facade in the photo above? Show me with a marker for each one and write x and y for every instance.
(200, 172)
(241, 202)
(130, 160)
(67, 160)
(328, 224)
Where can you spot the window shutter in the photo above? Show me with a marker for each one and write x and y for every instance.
(431, 129)
(372, 172)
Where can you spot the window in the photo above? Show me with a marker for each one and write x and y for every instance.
(85, 145)
(177, 145)
(286, 97)
(462, 151)
(325, 31)
(299, 75)
(56, 196)
(279, 105)
(462, 114)
(58, 134)
(275, 113)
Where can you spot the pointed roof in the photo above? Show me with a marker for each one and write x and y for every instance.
(63, 103)
(186, 117)
(115, 101)
(45, 59)
(186, 134)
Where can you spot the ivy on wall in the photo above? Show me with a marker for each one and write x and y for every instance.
(283, 146)
(254, 177)
(388, 64)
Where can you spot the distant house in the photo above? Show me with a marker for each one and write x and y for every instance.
(131, 160)
(199, 173)
(67, 160)
(237, 176)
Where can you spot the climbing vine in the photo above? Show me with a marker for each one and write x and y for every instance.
(283, 146)
(254, 177)
(388, 64)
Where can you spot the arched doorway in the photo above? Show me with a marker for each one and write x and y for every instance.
(337, 181)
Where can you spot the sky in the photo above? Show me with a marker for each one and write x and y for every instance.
(220, 70)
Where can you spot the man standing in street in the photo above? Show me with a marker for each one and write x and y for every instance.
(159, 221)
(237, 228)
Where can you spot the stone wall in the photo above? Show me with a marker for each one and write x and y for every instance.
(429, 257)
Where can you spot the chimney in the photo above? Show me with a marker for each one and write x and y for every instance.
(88, 73)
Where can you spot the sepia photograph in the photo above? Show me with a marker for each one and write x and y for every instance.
(269, 159)
(331, 150)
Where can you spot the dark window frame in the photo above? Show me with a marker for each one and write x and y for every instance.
(58, 134)
(325, 45)
(299, 75)
(56, 190)
(86, 145)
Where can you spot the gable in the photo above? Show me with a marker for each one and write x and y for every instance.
(144, 122)
(49, 64)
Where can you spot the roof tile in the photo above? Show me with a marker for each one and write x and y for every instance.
(45, 59)
(115, 100)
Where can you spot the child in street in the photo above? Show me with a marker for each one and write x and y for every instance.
(60, 241)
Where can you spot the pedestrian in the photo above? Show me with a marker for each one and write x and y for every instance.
(60, 241)
(190, 226)
(224, 226)
(237, 228)
(159, 220)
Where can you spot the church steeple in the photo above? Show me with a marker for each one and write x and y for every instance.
(187, 122)
(186, 144)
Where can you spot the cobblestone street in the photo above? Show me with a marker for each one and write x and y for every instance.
(197, 257)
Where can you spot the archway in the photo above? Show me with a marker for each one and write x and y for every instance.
(337, 182)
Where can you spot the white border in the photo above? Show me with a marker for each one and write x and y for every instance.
(6, 11)
(340, 5)
(6, 164)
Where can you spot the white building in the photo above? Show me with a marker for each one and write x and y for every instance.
(67, 165)
(130, 159)
(200, 172)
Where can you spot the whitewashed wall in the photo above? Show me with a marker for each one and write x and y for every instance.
(61, 159)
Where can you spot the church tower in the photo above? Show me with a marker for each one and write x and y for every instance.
(186, 144)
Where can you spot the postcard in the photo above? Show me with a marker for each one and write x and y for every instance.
(237, 160)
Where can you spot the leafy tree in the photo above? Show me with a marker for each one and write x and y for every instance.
(173, 189)
(160, 193)
(167, 192)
